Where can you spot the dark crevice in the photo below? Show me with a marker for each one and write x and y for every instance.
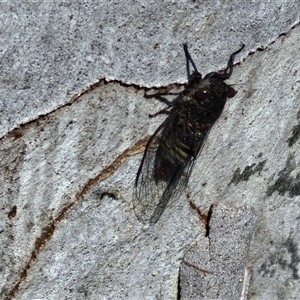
(207, 226)
(202, 216)
(108, 194)
(178, 288)
(12, 213)
(295, 135)
(17, 131)
(265, 47)
(205, 272)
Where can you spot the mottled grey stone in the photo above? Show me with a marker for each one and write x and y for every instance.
(71, 142)
(214, 268)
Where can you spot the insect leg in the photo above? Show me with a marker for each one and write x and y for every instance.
(161, 94)
(163, 91)
(163, 111)
(160, 98)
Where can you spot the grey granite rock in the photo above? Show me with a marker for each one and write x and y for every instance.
(74, 123)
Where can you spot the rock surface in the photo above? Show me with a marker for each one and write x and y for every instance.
(74, 123)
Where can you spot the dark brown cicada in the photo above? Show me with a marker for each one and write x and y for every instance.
(172, 150)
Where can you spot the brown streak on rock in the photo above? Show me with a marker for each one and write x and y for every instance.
(48, 231)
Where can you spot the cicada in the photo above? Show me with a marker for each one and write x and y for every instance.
(172, 150)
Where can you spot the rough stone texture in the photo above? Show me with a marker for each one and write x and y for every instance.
(51, 52)
(211, 266)
(70, 139)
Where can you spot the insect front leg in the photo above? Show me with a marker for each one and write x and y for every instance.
(159, 96)
(161, 112)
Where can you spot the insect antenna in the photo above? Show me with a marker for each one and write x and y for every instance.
(228, 71)
(189, 59)
(230, 63)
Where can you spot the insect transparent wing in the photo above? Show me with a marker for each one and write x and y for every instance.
(151, 196)
(175, 186)
(172, 189)
(147, 192)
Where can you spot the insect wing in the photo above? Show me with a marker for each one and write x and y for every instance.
(151, 196)
(146, 192)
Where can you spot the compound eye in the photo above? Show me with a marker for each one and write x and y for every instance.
(202, 94)
(231, 92)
